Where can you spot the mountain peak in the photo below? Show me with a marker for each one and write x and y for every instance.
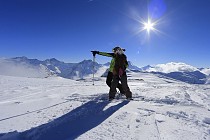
(172, 67)
(131, 66)
(52, 61)
(89, 60)
(86, 62)
(20, 58)
(146, 67)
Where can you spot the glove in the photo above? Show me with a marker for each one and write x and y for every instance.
(95, 52)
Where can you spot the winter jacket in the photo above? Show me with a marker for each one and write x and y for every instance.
(112, 65)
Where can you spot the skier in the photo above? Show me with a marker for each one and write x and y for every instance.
(110, 74)
(117, 72)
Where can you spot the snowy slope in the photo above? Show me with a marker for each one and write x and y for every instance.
(56, 108)
(206, 71)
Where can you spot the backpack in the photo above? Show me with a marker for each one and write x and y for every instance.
(120, 64)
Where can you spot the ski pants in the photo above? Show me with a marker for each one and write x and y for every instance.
(109, 82)
(114, 84)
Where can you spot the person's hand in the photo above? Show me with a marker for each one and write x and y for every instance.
(95, 52)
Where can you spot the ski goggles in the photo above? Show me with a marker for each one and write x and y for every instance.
(119, 51)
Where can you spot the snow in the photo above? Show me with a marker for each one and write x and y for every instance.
(57, 70)
(206, 71)
(208, 80)
(57, 108)
(10, 68)
(172, 67)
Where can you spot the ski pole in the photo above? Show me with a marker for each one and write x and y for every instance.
(94, 57)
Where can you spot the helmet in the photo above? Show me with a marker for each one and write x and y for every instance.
(117, 48)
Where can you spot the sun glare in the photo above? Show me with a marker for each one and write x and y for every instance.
(148, 26)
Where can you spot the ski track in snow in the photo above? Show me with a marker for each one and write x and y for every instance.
(57, 108)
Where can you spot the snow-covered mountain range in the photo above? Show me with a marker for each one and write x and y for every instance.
(25, 67)
(182, 72)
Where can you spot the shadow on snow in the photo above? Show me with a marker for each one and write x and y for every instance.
(70, 125)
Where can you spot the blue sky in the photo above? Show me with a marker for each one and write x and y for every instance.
(69, 29)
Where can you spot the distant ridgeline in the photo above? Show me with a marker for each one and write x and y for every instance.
(22, 66)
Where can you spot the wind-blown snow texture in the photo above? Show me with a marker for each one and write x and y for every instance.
(55, 108)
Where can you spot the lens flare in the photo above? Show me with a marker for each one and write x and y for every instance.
(146, 25)
(149, 26)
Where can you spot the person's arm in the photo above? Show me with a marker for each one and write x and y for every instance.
(106, 54)
(103, 53)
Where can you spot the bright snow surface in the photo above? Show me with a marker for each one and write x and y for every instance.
(61, 109)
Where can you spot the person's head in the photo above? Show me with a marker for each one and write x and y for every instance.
(118, 50)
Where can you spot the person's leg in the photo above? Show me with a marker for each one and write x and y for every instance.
(119, 86)
(125, 87)
(114, 84)
(109, 78)
(109, 81)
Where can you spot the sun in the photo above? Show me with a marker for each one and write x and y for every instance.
(149, 26)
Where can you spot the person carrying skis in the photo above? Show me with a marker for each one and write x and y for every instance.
(117, 72)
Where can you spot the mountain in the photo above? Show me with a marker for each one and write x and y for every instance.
(172, 67)
(133, 67)
(55, 67)
(25, 67)
(147, 68)
(81, 69)
(107, 64)
(206, 71)
(180, 71)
